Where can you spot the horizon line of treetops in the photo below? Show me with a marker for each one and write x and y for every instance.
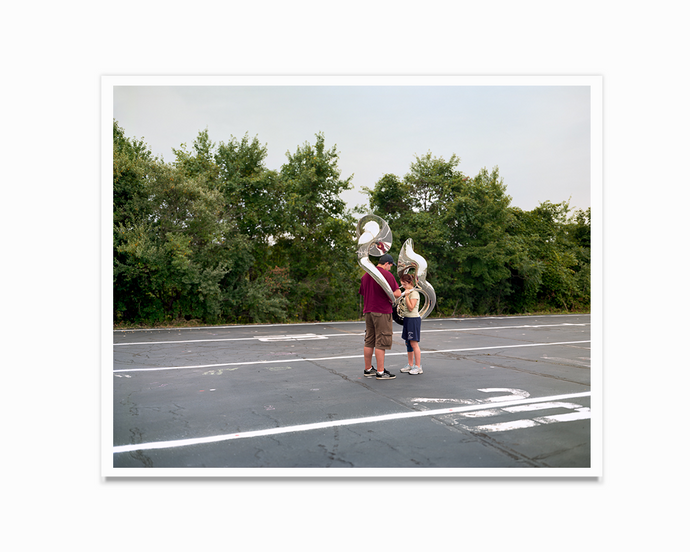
(216, 236)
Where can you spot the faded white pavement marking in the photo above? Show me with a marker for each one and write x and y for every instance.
(352, 421)
(579, 413)
(335, 323)
(514, 393)
(288, 337)
(293, 337)
(322, 359)
(266, 338)
(582, 413)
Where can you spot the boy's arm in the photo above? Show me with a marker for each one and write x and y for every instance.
(394, 285)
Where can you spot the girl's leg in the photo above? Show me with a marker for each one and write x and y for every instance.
(410, 358)
(417, 352)
(418, 357)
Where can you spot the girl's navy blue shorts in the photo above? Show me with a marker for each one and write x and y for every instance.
(412, 329)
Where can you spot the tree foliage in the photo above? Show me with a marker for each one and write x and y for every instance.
(218, 237)
(485, 256)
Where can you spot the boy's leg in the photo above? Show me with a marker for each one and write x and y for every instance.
(369, 342)
(380, 359)
(368, 354)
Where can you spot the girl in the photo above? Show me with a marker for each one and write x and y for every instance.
(412, 325)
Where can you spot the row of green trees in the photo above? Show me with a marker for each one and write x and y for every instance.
(218, 237)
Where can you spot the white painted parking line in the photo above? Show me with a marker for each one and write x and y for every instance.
(325, 359)
(581, 414)
(254, 326)
(541, 406)
(523, 327)
(578, 413)
(250, 363)
(502, 426)
(287, 337)
(498, 406)
(513, 393)
(337, 423)
(293, 337)
(336, 323)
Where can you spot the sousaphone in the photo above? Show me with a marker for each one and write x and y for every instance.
(414, 264)
(375, 238)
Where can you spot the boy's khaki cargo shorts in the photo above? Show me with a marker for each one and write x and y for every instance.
(379, 330)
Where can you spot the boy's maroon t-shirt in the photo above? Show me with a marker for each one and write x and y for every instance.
(375, 299)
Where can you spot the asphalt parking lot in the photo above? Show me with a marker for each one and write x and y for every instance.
(498, 395)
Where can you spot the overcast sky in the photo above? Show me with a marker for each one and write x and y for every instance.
(537, 136)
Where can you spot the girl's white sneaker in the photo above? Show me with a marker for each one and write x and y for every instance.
(416, 370)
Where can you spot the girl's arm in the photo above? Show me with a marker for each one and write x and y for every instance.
(409, 302)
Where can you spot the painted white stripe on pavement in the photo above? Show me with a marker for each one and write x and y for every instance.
(322, 359)
(293, 337)
(290, 324)
(502, 426)
(348, 334)
(336, 423)
(542, 406)
(294, 325)
(581, 414)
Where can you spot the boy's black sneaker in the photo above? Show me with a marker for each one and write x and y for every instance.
(386, 375)
(370, 373)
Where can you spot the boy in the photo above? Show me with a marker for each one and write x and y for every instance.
(378, 314)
